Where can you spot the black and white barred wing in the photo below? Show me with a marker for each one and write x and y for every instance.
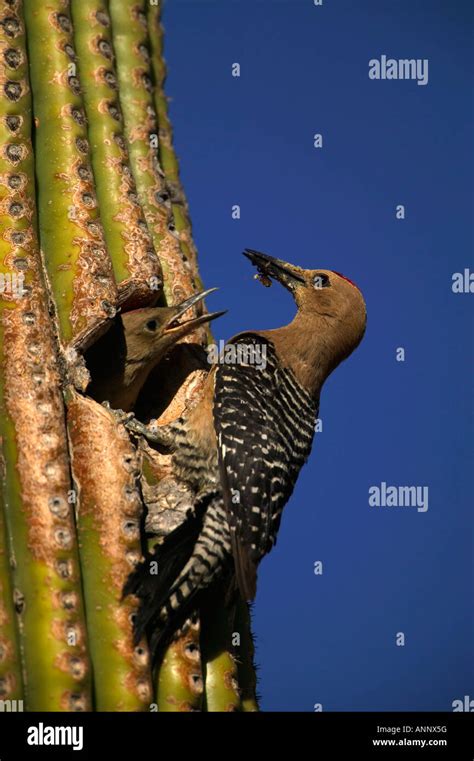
(265, 423)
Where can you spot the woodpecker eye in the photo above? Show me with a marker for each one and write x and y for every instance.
(151, 326)
(321, 281)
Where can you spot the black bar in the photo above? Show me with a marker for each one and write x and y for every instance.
(312, 736)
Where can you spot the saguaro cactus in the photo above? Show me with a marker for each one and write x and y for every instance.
(93, 219)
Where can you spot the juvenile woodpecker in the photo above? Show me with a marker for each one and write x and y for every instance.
(241, 447)
(121, 361)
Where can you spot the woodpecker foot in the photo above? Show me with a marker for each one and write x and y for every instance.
(153, 433)
(120, 415)
(135, 426)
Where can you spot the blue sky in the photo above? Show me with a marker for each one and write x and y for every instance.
(331, 638)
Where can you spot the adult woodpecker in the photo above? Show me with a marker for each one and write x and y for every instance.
(241, 447)
(121, 360)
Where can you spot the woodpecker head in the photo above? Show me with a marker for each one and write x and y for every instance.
(151, 332)
(331, 309)
(122, 359)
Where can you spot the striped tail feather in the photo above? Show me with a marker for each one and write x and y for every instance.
(189, 560)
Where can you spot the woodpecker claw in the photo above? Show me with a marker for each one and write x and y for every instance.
(120, 415)
(135, 426)
(154, 434)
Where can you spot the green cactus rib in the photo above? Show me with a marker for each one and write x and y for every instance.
(108, 517)
(222, 694)
(245, 651)
(180, 682)
(168, 158)
(35, 480)
(221, 688)
(71, 235)
(131, 45)
(11, 683)
(136, 266)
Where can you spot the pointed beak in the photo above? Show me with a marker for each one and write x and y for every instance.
(268, 267)
(179, 327)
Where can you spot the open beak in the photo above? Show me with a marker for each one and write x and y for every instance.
(269, 267)
(178, 327)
